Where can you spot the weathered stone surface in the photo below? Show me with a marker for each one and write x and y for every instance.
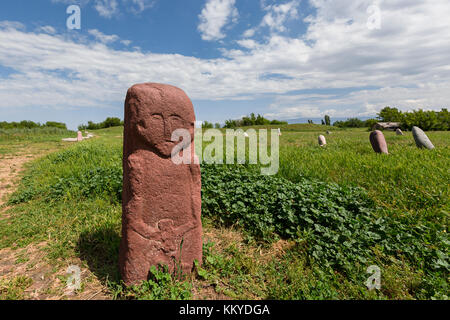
(378, 142)
(322, 141)
(161, 200)
(399, 132)
(79, 136)
(421, 139)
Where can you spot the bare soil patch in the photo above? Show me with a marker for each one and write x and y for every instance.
(48, 281)
(10, 168)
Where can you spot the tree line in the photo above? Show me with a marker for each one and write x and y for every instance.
(108, 123)
(27, 124)
(356, 123)
(251, 120)
(426, 120)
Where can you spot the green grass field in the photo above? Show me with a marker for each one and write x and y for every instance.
(20, 140)
(310, 232)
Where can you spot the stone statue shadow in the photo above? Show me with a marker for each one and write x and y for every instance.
(100, 250)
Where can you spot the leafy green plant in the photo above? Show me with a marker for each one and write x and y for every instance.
(160, 286)
(337, 224)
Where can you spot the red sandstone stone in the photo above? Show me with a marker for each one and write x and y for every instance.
(378, 142)
(161, 200)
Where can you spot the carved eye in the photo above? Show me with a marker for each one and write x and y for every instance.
(157, 116)
(156, 122)
(176, 122)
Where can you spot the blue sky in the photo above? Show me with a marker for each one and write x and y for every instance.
(284, 59)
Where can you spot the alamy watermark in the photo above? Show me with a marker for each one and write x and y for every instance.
(74, 20)
(74, 280)
(374, 281)
(374, 19)
(233, 146)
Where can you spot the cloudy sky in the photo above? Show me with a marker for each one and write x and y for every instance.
(284, 59)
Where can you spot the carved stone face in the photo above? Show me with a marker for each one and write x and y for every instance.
(158, 114)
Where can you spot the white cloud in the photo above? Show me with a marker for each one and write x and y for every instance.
(248, 43)
(139, 6)
(106, 8)
(361, 103)
(110, 8)
(276, 17)
(249, 33)
(46, 29)
(12, 25)
(103, 38)
(278, 14)
(406, 61)
(215, 16)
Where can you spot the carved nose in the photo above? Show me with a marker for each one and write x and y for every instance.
(167, 131)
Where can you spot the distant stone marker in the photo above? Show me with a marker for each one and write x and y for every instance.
(399, 132)
(70, 139)
(161, 206)
(279, 131)
(77, 139)
(322, 141)
(421, 139)
(328, 132)
(378, 142)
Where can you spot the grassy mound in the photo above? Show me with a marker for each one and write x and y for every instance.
(337, 230)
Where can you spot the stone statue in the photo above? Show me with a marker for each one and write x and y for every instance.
(378, 142)
(322, 141)
(421, 139)
(161, 210)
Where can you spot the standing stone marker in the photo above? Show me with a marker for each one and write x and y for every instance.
(328, 132)
(161, 200)
(399, 132)
(421, 139)
(79, 136)
(378, 142)
(322, 141)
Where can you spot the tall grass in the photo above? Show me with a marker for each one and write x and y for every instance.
(73, 198)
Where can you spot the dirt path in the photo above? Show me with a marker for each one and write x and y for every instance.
(25, 273)
(10, 168)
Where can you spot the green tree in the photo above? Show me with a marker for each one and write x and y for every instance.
(369, 123)
(54, 124)
(111, 122)
(389, 114)
(207, 125)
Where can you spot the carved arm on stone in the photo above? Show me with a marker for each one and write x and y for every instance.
(138, 225)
